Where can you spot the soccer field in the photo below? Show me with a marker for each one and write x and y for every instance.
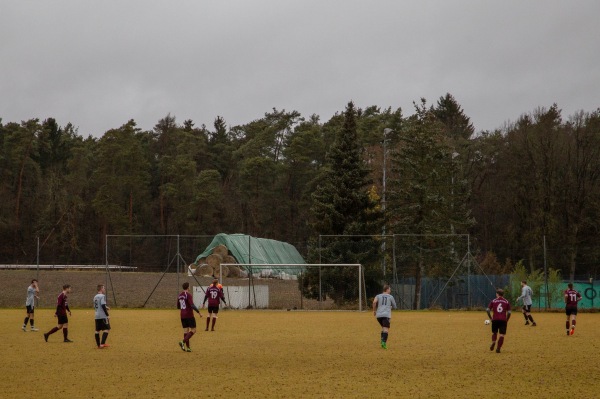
(278, 354)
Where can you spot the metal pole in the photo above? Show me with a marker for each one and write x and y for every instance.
(385, 133)
(469, 270)
(359, 289)
(394, 271)
(106, 258)
(38, 259)
(320, 261)
(301, 293)
(108, 277)
(177, 262)
(320, 289)
(546, 273)
(250, 275)
(593, 292)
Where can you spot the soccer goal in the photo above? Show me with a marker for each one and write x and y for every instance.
(292, 286)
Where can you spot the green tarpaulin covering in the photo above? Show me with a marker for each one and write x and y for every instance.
(247, 249)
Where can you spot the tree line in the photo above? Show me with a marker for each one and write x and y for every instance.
(528, 191)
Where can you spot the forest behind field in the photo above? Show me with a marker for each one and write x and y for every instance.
(528, 192)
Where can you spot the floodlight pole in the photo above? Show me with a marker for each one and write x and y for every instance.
(385, 133)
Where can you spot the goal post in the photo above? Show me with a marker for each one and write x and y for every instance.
(306, 286)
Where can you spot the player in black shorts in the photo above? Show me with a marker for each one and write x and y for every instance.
(214, 295)
(32, 293)
(185, 304)
(101, 317)
(572, 297)
(62, 307)
(500, 308)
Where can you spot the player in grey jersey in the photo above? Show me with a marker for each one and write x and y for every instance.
(32, 292)
(382, 310)
(526, 294)
(101, 316)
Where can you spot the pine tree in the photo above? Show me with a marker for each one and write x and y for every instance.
(423, 198)
(342, 206)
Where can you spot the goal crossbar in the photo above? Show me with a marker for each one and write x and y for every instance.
(290, 265)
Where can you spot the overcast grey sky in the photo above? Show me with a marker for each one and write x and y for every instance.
(98, 64)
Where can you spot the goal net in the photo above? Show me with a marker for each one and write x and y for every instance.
(292, 286)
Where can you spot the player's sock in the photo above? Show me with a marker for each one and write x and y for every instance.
(97, 336)
(493, 342)
(25, 322)
(573, 323)
(525, 316)
(214, 320)
(66, 333)
(567, 325)
(500, 342)
(104, 336)
(187, 338)
(54, 329)
(207, 322)
(384, 336)
(531, 319)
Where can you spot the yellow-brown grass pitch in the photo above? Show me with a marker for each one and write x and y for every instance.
(279, 354)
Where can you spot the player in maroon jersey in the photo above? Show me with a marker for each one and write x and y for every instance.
(571, 299)
(501, 309)
(186, 305)
(62, 307)
(214, 295)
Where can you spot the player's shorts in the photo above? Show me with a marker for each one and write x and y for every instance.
(189, 322)
(29, 308)
(527, 308)
(213, 309)
(571, 311)
(62, 319)
(384, 321)
(499, 326)
(102, 325)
